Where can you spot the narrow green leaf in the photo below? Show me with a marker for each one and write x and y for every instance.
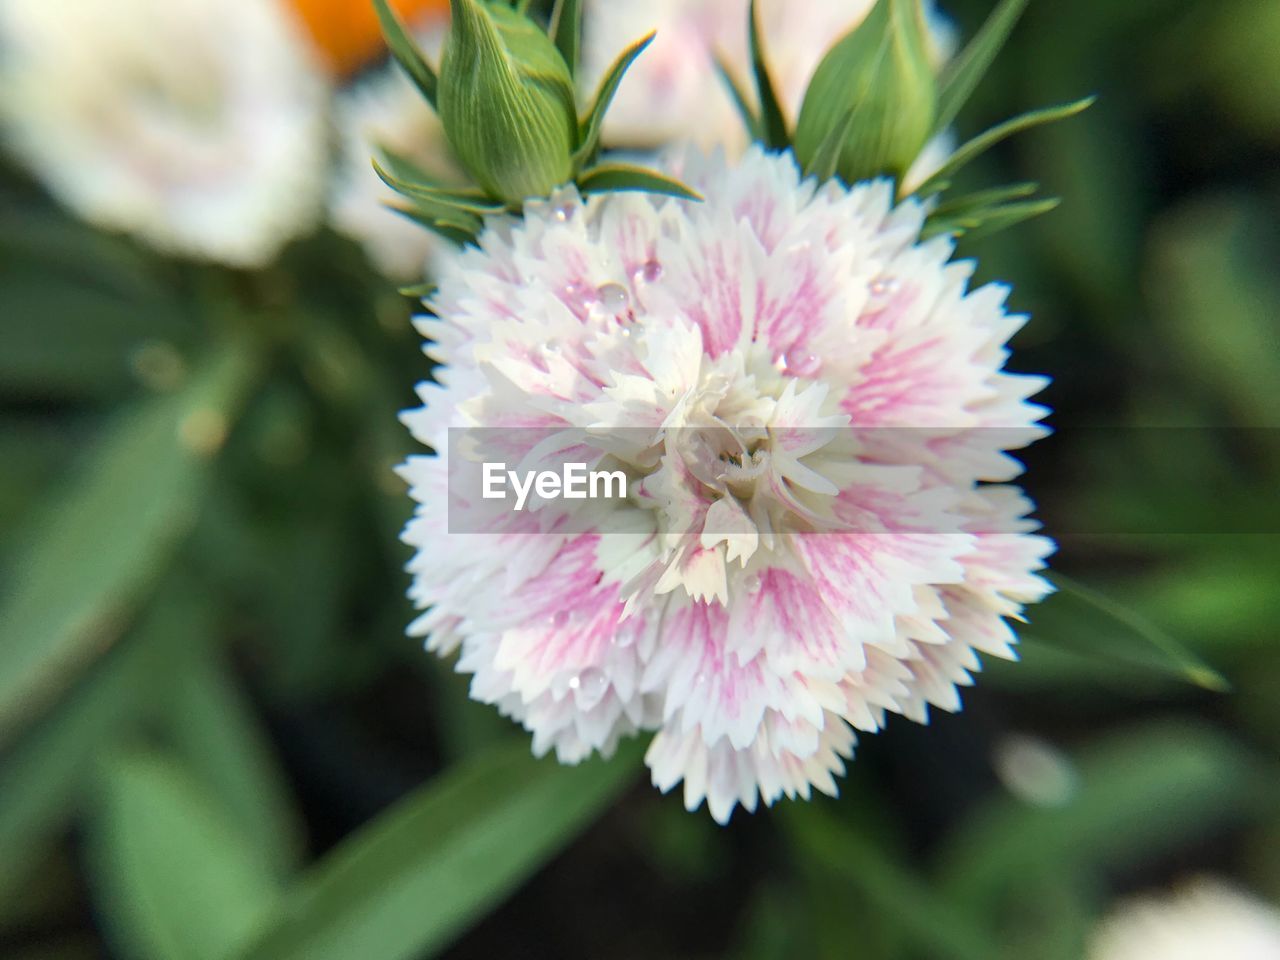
(406, 169)
(42, 778)
(981, 223)
(1135, 631)
(1141, 793)
(745, 111)
(623, 176)
(96, 545)
(467, 201)
(940, 931)
(222, 744)
(590, 127)
(566, 31)
(1001, 131)
(452, 229)
(962, 75)
(982, 199)
(418, 291)
(420, 874)
(773, 124)
(406, 52)
(172, 875)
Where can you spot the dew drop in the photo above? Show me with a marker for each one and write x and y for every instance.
(753, 584)
(613, 297)
(648, 272)
(560, 619)
(882, 287)
(589, 688)
(580, 294)
(564, 210)
(807, 366)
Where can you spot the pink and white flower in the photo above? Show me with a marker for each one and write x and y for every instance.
(1205, 918)
(811, 406)
(198, 125)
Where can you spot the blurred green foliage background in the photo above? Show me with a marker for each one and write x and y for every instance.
(215, 741)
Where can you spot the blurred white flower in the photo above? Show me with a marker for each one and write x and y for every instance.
(386, 112)
(198, 125)
(807, 398)
(1205, 920)
(673, 92)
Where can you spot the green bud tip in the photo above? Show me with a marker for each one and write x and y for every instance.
(506, 101)
(872, 102)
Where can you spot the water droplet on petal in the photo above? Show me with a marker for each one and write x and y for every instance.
(648, 272)
(753, 583)
(884, 287)
(564, 210)
(560, 619)
(807, 366)
(589, 688)
(613, 297)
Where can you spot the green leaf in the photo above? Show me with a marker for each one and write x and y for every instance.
(222, 744)
(980, 223)
(940, 931)
(94, 548)
(42, 778)
(566, 31)
(417, 291)
(62, 338)
(589, 133)
(170, 872)
(962, 75)
(406, 52)
(739, 96)
(1001, 131)
(419, 875)
(456, 229)
(623, 176)
(464, 200)
(1127, 634)
(983, 199)
(1141, 794)
(772, 123)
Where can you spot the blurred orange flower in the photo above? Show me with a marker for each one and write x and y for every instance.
(346, 31)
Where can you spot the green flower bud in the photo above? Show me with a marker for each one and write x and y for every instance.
(871, 104)
(506, 101)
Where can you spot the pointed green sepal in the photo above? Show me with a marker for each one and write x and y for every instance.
(469, 201)
(982, 222)
(418, 291)
(1001, 131)
(877, 86)
(961, 76)
(613, 177)
(456, 229)
(406, 52)
(594, 121)
(773, 125)
(566, 31)
(739, 96)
